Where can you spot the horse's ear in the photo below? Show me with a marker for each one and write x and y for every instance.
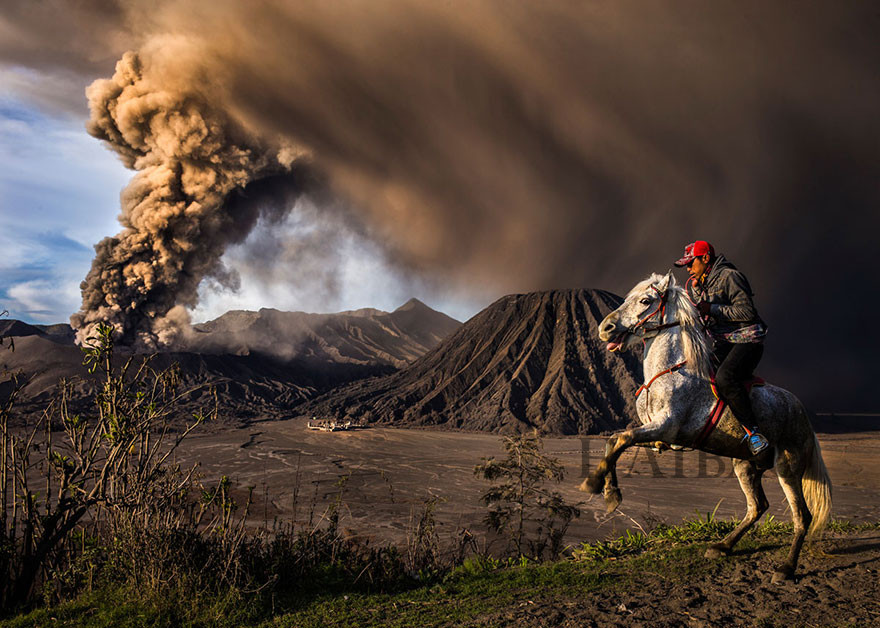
(667, 280)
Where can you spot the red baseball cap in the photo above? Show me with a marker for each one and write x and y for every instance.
(694, 250)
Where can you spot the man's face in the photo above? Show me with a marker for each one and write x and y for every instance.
(698, 266)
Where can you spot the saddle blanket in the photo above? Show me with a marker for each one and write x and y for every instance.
(718, 410)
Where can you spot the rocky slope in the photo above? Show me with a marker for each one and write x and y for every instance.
(527, 361)
(261, 364)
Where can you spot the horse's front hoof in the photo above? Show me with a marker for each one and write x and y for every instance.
(716, 551)
(592, 485)
(612, 499)
(783, 574)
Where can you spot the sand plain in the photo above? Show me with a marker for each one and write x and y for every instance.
(381, 478)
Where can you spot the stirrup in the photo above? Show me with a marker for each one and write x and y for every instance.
(757, 443)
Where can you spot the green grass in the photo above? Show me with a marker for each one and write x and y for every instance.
(463, 595)
(460, 598)
(112, 607)
(478, 589)
(844, 526)
(701, 529)
(474, 590)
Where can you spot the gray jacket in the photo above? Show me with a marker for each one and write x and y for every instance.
(730, 298)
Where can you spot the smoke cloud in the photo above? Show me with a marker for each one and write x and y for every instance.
(502, 147)
(181, 211)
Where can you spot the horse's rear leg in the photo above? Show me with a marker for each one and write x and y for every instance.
(749, 476)
(790, 469)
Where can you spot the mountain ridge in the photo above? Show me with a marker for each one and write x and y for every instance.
(256, 369)
(363, 336)
(528, 361)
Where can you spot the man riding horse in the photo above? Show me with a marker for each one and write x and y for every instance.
(723, 296)
(677, 406)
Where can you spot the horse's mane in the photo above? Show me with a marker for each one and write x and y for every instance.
(695, 341)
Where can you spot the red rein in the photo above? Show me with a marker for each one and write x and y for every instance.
(669, 370)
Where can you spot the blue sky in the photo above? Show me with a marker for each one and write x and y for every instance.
(59, 195)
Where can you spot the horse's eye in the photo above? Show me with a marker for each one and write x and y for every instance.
(645, 301)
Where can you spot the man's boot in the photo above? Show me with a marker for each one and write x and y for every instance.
(741, 405)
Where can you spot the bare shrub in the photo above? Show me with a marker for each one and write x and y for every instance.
(104, 469)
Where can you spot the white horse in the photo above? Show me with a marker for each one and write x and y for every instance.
(676, 400)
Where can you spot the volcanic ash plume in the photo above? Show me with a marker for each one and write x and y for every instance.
(186, 203)
(494, 146)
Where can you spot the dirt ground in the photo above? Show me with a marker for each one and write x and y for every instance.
(383, 476)
(839, 588)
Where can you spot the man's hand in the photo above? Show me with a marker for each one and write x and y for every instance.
(703, 307)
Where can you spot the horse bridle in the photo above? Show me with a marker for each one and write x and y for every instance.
(656, 329)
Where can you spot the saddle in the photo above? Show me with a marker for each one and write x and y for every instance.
(718, 409)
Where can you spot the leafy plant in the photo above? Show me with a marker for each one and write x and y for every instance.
(519, 506)
(422, 557)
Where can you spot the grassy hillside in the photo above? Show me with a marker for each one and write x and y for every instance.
(657, 579)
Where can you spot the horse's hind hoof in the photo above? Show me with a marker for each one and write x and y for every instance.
(592, 485)
(716, 551)
(783, 574)
(612, 500)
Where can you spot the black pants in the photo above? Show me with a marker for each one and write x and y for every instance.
(738, 363)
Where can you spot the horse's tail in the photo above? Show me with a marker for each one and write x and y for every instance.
(817, 490)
